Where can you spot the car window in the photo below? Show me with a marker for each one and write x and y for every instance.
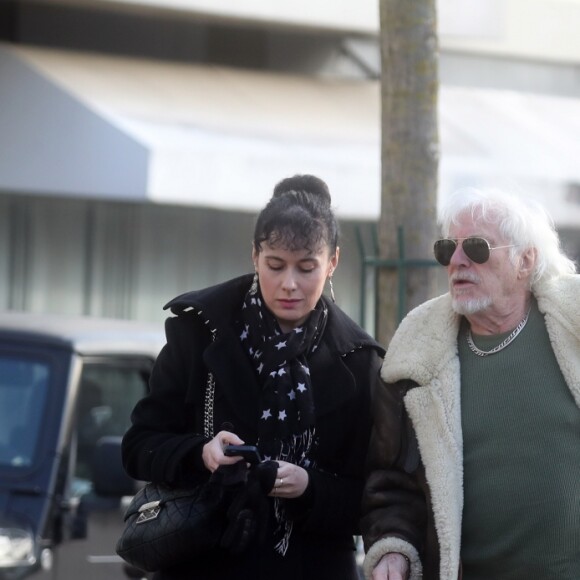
(107, 394)
(23, 388)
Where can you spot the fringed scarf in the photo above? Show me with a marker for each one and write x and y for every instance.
(286, 430)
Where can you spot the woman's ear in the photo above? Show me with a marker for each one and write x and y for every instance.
(334, 260)
(255, 255)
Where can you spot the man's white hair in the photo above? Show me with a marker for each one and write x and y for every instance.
(521, 221)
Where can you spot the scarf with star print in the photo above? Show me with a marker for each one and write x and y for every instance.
(286, 429)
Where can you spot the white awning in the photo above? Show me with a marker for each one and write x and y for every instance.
(124, 128)
(360, 16)
(93, 125)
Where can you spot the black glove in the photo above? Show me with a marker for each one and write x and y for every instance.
(248, 513)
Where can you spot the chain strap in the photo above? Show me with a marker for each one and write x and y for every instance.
(208, 406)
(208, 402)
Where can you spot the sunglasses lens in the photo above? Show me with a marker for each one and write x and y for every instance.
(476, 249)
(443, 250)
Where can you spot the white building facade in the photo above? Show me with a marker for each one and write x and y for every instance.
(138, 138)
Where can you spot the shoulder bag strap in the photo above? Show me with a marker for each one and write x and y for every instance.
(208, 406)
(208, 402)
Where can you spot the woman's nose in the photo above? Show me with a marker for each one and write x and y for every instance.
(289, 281)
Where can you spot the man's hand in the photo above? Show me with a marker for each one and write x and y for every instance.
(391, 566)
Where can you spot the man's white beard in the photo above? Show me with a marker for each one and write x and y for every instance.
(471, 305)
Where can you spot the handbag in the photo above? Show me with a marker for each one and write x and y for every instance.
(165, 526)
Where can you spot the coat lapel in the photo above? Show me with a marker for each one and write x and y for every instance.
(425, 351)
(563, 323)
(436, 422)
(334, 382)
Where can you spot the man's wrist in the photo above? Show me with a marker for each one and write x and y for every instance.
(406, 558)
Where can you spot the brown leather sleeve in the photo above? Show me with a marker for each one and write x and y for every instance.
(394, 502)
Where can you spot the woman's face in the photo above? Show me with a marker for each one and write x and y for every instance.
(292, 281)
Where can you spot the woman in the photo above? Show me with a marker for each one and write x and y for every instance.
(293, 376)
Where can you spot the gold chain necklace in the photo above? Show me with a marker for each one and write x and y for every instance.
(502, 344)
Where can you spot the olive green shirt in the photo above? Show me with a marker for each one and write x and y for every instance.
(521, 438)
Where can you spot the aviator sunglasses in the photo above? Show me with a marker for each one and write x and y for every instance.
(476, 249)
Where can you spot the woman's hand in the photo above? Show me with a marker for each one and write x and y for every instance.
(291, 481)
(391, 566)
(213, 451)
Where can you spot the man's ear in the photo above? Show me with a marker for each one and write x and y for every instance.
(527, 262)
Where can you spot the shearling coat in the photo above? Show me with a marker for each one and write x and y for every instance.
(413, 500)
(165, 441)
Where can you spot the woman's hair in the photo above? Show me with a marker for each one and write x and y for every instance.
(298, 216)
(521, 221)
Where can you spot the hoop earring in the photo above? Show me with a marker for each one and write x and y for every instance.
(254, 286)
(331, 289)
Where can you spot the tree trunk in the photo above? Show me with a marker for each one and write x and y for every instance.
(410, 151)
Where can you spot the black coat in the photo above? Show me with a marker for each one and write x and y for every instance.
(165, 441)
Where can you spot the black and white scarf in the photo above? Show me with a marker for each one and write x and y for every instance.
(286, 429)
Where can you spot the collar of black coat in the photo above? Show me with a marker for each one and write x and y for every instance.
(219, 304)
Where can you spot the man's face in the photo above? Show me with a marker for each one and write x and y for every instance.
(491, 286)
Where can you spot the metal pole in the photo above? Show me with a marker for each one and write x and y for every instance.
(401, 264)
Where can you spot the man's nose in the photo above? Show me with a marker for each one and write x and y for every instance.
(459, 258)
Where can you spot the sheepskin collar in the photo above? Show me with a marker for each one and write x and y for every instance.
(426, 341)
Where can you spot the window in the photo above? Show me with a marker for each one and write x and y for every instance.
(107, 394)
(23, 387)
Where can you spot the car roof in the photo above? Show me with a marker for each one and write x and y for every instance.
(83, 334)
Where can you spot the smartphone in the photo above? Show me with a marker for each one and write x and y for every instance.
(250, 453)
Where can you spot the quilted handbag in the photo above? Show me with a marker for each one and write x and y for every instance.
(165, 526)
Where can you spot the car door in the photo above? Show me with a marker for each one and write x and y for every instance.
(108, 389)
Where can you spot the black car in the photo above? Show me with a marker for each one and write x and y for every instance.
(67, 388)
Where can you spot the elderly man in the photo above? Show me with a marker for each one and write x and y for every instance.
(474, 466)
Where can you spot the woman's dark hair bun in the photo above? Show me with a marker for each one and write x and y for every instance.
(298, 216)
(306, 183)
